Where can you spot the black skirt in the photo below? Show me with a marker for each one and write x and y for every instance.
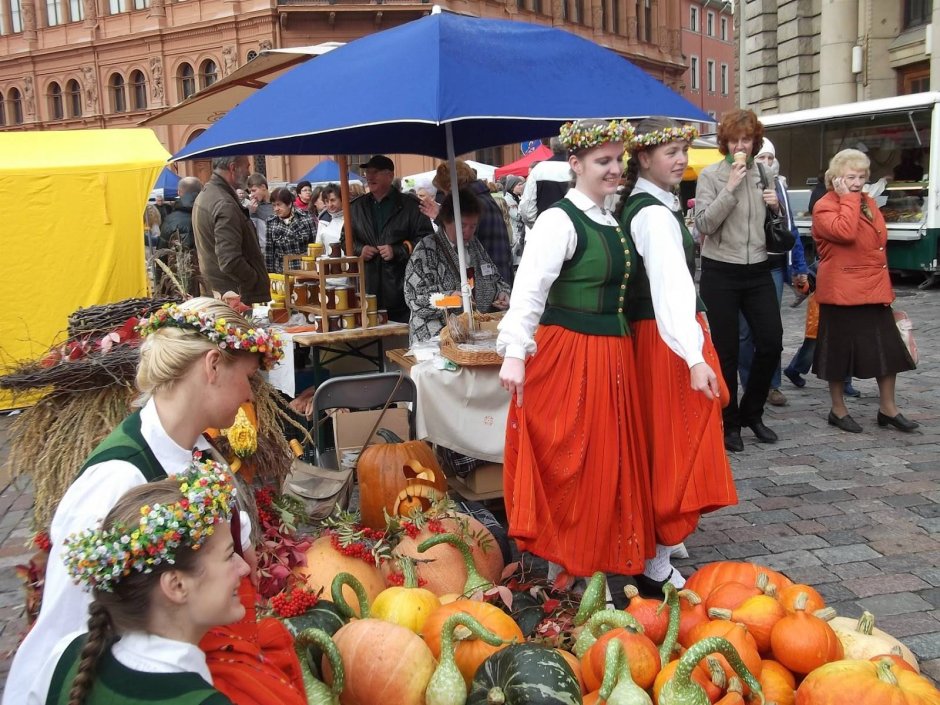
(859, 341)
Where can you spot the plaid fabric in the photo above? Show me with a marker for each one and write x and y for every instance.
(287, 239)
(492, 231)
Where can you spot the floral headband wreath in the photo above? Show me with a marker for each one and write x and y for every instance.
(224, 334)
(666, 134)
(98, 559)
(586, 134)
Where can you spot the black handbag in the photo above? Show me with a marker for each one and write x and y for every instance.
(777, 233)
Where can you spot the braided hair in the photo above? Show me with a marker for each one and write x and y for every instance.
(632, 173)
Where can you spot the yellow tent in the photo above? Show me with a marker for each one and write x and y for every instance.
(71, 208)
(699, 158)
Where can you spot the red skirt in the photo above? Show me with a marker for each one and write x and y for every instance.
(576, 475)
(684, 435)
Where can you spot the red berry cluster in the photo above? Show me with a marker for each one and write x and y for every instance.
(356, 549)
(399, 579)
(264, 499)
(42, 541)
(293, 602)
(435, 526)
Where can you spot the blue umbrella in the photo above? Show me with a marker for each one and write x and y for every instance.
(325, 172)
(448, 95)
(168, 181)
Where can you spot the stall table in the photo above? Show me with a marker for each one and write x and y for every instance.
(352, 342)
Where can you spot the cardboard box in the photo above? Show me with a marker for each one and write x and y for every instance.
(486, 478)
(350, 428)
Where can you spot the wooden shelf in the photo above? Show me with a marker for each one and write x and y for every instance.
(320, 275)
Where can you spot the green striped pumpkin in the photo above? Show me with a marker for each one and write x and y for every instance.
(525, 674)
(324, 616)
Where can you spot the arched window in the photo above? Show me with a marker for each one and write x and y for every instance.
(187, 81)
(74, 98)
(56, 109)
(3, 111)
(208, 73)
(138, 90)
(118, 96)
(15, 103)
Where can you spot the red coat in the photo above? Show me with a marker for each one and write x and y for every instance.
(853, 263)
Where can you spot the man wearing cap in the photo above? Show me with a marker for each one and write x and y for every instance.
(386, 225)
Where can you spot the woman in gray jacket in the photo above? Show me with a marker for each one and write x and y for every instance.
(730, 208)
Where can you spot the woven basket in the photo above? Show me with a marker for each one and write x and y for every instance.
(453, 351)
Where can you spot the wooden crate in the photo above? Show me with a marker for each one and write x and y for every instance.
(293, 273)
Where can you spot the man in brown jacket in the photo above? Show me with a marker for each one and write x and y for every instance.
(230, 257)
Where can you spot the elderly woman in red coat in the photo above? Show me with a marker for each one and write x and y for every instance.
(858, 336)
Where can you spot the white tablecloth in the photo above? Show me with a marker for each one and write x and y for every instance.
(464, 410)
(282, 375)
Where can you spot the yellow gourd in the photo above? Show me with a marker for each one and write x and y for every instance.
(408, 606)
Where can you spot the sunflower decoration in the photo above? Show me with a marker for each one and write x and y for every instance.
(242, 435)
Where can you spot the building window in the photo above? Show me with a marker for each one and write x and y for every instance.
(710, 24)
(693, 68)
(648, 20)
(16, 16)
(54, 97)
(141, 4)
(53, 15)
(138, 90)
(917, 12)
(15, 105)
(117, 6)
(76, 11)
(74, 98)
(710, 68)
(579, 11)
(118, 96)
(187, 81)
(537, 6)
(3, 111)
(914, 78)
(208, 73)
(693, 18)
(252, 55)
(724, 29)
(615, 20)
(724, 79)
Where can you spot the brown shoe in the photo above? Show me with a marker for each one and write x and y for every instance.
(776, 398)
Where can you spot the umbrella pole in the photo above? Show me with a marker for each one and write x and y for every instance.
(461, 250)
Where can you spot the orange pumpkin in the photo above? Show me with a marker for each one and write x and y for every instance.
(652, 614)
(641, 652)
(778, 683)
(470, 653)
(575, 663)
(865, 683)
(712, 689)
(692, 612)
(388, 469)
(324, 563)
(730, 595)
(787, 598)
(734, 695)
(803, 642)
(740, 639)
(896, 660)
(759, 614)
(710, 576)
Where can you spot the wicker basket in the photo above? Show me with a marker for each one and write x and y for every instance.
(454, 351)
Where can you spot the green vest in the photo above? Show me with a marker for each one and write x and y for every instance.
(640, 300)
(127, 443)
(115, 683)
(588, 295)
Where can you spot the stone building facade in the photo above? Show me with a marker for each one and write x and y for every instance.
(798, 54)
(67, 64)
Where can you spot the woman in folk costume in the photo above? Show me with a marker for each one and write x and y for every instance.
(196, 364)
(680, 386)
(576, 476)
(161, 569)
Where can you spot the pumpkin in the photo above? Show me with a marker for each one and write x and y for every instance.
(409, 605)
(865, 683)
(740, 640)
(759, 614)
(814, 601)
(574, 663)
(447, 686)
(710, 576)
(323, 616)
(470, 653)
(778, 683)
(803, 642)
(734, 695)
(862, 640)
(324, 563)
(641, 652)
(896, 661)
(474, 581)
(442, 567)
(681, 689)
(692, 612)
(652, 614)
(525, 674)
(386, 470)
(729, 596)
(713, 686)
(317, 692)
(600, 622)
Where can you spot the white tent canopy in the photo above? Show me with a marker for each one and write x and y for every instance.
(423, 180)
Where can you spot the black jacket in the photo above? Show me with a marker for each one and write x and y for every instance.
(180, 220)
(404, 229)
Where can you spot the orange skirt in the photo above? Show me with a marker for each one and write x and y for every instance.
(684, 434)
(576, 476)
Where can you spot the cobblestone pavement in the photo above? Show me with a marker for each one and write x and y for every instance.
(855, 515)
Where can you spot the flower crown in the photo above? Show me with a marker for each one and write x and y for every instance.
(667, 134)
(218, 330)
(97, 559)
(582, 134)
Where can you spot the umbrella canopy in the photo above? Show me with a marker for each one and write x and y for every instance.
(461, 62)
(699, 158)
(168, 181)
(327, 172)
(521, 167)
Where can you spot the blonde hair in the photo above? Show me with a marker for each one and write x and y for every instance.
(167, 353)
(152, 216)
(847, 159)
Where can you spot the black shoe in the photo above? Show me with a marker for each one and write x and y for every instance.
(733, 442)
(899, 422)
(851, 391)
(653, 589)
(795, 377)
(846, 423)
(764, 434)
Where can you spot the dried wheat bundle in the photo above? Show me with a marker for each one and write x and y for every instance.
(96, 370)
(101, 319)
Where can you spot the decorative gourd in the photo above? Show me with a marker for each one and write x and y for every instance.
(803, 642)
(525, 674)
(670, 601)
(442, 568)
(737, 635)
(778, 683)
(641, 653)
(710, 576)
(865, 683)
(681, 689)
(447, 685)
(599, 623)
(409, 606)
(731, 595)
(592, 599)
(387, 469)
(474, 581)
(862, 640)
(713, 686)
(324, 616)
(735, 693)
(574, 663)
(618, 687)
(652, 614)
(692, 612)
(471, 652)
(383, 662)
(759, 614)
(814, 601)
(324, 563)
(318, 693)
